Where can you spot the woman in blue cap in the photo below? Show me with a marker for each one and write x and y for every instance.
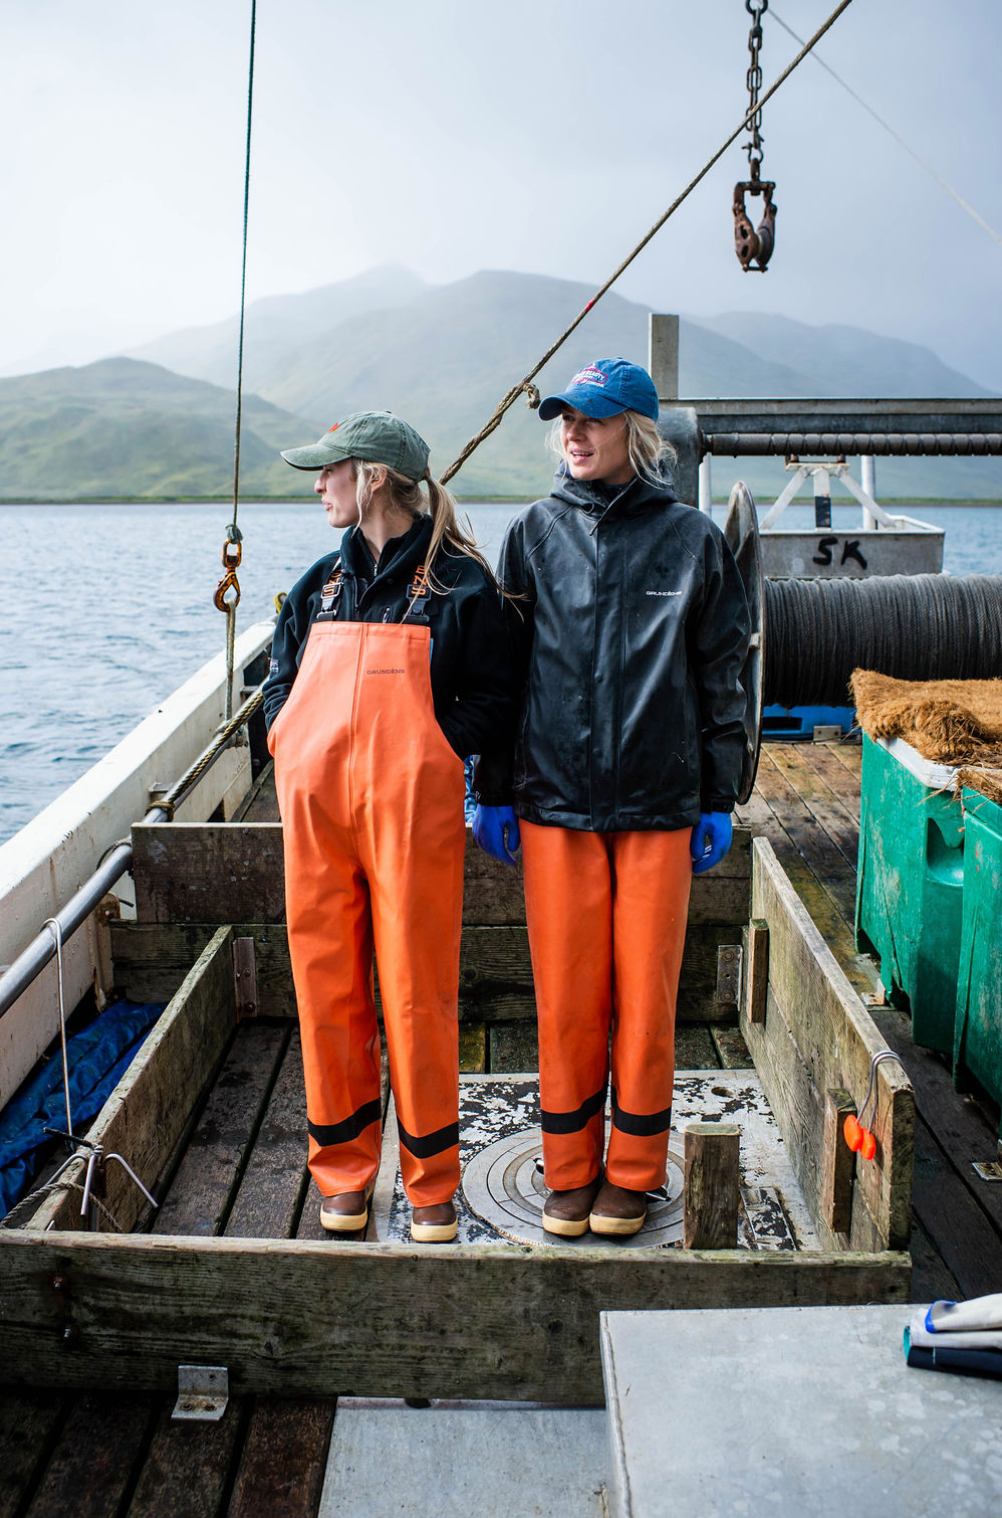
(630, 630)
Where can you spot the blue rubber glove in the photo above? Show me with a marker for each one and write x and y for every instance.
(711, 838)
(495, 829)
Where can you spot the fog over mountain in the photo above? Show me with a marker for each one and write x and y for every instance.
(159, 420)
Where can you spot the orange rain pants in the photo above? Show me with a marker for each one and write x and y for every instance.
(606, 914)
(371, 796)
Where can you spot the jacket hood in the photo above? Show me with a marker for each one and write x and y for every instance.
(636, 495)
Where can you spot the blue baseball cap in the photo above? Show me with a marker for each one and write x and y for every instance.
(605, 387)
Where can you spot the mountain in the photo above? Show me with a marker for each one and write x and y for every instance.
(159, 422)
(844, 361)
(276, 325)
(124, 429)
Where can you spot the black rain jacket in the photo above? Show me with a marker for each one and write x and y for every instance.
(630, 642)
(472, 679)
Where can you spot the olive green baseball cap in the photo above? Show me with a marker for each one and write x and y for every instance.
(379, 437)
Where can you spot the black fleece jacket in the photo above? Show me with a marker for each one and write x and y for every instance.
(472, 678)
(630, 642)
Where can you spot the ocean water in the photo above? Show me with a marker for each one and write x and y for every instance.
(107, 609)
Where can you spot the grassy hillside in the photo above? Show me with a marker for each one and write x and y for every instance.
(121, 428)
(160, 423)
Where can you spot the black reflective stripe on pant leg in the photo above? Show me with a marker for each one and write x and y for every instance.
(640, 1125)
(431, 1143)
(327, 1134)
(573, 1122)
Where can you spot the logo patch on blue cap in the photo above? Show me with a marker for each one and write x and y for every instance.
(589, 375)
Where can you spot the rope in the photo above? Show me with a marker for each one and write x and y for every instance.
(914, 627)
(508, 400)
(234, 537)
(224, 732)
(897, 137)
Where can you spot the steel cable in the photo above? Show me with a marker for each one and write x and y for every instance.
(914, 627)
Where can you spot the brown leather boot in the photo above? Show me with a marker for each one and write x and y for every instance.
(566, 1212)
(348, 1212)
(434, 1225)
(618, 1211)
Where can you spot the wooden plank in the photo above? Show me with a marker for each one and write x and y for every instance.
(731, 1049)
(710, 1192)
(838, 1164)
(362, 1319)
(964, 1237)
(841, 781)
(189, 1466)
(837, 933)
(145, 1115)
(29, 1425)
(96, 1457)
(513, 1047)
(833, 871)
(472, 1048)
(793, 762)
(284, 1459)
(270, 1198)
(755, 969)
(694, 1048)
(204, 1187)
(834, 1039)
(932, 1281)
(850, 755)
(961, 1127)
(697, 986)
(208, 872)
(227, 872)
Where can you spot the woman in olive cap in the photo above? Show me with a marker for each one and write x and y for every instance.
(388, 670)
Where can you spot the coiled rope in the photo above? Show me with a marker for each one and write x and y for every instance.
(914, 627)
(526, 385)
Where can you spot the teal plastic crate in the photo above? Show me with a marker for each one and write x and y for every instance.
(978, 1040)
(910, 886)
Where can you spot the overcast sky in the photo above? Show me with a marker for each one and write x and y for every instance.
(452, 135)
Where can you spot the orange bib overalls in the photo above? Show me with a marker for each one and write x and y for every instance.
(371, 797)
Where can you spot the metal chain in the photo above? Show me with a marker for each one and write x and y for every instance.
(756, 9)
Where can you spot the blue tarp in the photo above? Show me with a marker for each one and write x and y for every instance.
(99, 1055)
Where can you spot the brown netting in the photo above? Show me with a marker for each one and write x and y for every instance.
(947, 721)
(987, 781)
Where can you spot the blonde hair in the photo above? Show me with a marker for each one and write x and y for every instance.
(407, 495)
(647, 448)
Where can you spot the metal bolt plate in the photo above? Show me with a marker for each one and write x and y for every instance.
(502, 1186)
(202, 1393)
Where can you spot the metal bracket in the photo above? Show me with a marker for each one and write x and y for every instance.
(245, 977)
(203, 1392)
(728, 972)
(988, 1170)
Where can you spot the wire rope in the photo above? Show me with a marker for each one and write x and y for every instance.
(914, 627)
(526, 385)
(896, 135)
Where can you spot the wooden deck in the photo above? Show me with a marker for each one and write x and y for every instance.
(241, 1175)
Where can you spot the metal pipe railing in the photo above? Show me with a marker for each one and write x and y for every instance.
(19, 976)
(845, 444)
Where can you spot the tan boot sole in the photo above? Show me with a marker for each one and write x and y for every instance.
(567, 1228)
(600, 1222)
(344, 1222)
(434, 1233)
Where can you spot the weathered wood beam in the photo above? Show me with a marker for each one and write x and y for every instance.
(145, 1115)
(710, 1194)
(233, 872)
(370, 1319)
(817, 1037)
